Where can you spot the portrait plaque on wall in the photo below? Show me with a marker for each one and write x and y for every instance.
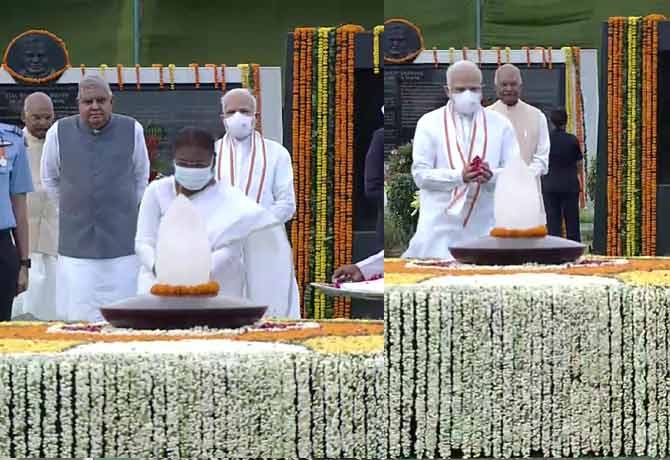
(402, 41)
(36, 57)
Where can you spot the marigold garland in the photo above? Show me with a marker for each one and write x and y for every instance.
(632, 124)
(534, 232)
(527, 50)
(256, 75)
(223, 78)
(82, 69)
(171, 68)
(119, 76)
(161, 79)
(215, 74)
(166, 290)
(544, 58)
(375, 48)
(37, 331)
(322, 95)
(103, 70)
(196, 73)
(137, 76)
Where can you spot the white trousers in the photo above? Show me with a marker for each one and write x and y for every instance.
(85, 285)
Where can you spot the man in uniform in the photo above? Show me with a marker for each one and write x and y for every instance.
(15, 183)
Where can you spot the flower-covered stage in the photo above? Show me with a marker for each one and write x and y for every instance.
(274, 390)
(519, 361)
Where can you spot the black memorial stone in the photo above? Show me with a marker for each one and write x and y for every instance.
(162, 112)
(411, 90)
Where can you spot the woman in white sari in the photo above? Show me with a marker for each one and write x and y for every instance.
(246, 241)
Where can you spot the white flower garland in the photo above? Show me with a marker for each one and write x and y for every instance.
(504, 369)
(218, 405)
(34, 431)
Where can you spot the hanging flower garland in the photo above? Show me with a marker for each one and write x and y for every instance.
(375, 48)
(119, 76)
(161, 79)
(251, 80)
(215, 74)
(223, 78)
(322, 95)
(171, 68)
(196, 74)
(632, 125)
(138, 69)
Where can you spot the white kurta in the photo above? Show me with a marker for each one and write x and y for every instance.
(249, 249)
(262, 169)
(373, 265)
(452, 212)
(84, 285)
(38, 300)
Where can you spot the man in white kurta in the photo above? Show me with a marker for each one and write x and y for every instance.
(530, 124)
(260, 168)
(95, 166)
(457, 198)
(38, 300)
(249, 254)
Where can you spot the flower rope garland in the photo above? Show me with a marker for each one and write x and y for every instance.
(632, 135)
(323, 78)
(161, 78)
(505, 388)
(119, 76)
(377, 31)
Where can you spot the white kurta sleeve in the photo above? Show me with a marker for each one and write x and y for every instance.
(140, 161)
(268, 263)
(424, 158)
(283, 207)
(148, 221)
(373, 265)
(50, 164)
(540, 162)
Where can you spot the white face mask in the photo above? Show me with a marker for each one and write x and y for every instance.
(239, 126)
(467, 102)
(193, 179)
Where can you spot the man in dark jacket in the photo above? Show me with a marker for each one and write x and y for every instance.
(563, 186)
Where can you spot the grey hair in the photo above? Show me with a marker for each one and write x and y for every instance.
(33, 96)
(94, 81)
(240, 91)
(463, 64)
(510, 67)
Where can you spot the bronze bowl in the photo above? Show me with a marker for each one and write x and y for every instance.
(489, 250)
(158, 312)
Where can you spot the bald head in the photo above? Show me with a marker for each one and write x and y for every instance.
(508, 84)
(38, 114)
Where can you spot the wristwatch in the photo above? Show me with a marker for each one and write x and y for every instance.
(25, 263)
